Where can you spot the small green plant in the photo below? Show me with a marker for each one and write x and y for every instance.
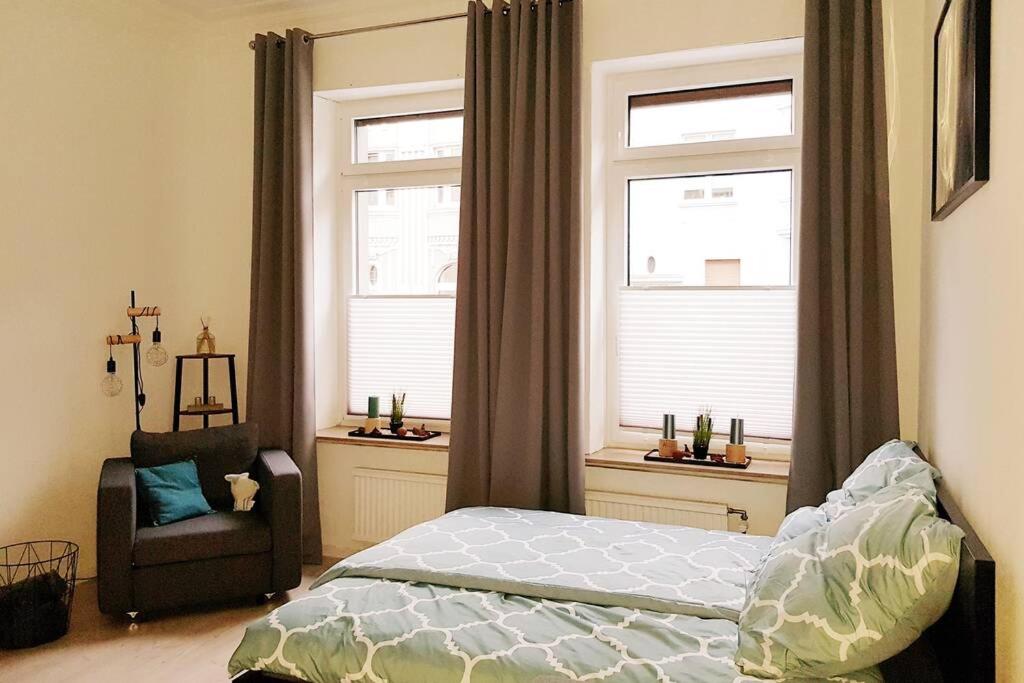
(397, 407)
(702, 431)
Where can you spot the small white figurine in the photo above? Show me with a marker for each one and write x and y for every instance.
(244, 490)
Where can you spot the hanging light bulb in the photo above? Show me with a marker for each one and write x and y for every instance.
(111, 384)
(156, 355)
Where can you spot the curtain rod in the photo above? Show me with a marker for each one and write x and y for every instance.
(397, 24)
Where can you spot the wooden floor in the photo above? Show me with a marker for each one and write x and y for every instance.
(191, 646)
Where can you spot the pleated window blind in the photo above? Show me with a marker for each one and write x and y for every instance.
(401, 344)
(732, 349)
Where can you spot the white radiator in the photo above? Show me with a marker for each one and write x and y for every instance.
(388, 502)
(713, 516)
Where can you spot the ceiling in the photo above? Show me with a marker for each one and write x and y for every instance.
(211, 9)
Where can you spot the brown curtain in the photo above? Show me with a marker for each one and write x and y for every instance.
(846, 402)
(280, 383)
(516, 400)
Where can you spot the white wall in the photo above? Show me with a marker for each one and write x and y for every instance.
(972, 302)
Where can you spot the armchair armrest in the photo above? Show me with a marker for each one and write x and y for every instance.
(281, 492)
(115, 535)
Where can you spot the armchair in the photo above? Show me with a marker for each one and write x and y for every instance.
(215, 557)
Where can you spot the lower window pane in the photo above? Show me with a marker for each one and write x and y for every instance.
(711, 230)
(681, 350)
(407, 239)
(401, 344)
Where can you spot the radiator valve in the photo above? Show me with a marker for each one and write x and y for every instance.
(744, 518)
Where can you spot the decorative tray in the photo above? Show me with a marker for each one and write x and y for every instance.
(394, 437)
(652, 455)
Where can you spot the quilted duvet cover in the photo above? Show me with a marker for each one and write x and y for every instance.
(483, 595)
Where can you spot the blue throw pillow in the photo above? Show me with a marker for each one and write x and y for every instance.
(171, 493)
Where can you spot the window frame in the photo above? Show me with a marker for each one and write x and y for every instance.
(380, 175)
(624, 163)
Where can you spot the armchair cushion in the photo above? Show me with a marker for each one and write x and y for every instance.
(217, 451)
(221, 534)
(171, 493)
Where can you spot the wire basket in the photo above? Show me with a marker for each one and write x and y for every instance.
(37, 586)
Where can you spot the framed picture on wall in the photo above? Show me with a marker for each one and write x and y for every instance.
(960, 115)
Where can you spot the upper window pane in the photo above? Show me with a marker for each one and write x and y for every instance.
(409, 136)
(711, 230)
(732, 112)
(408, 239)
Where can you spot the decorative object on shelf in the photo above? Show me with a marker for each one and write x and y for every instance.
(200, 406)
(960, 113)
(415, 434)
(156, 355)
(372, 414)
(206, 343)
(718, 460)
(111, 384)
(207, 404)
(243, 490)
(736, 450)
(667, 444)
(702, 435)
(397, 412)
(37, 588)
(685, 453)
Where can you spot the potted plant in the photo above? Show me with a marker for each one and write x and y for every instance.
(702, 435)
(397, 412)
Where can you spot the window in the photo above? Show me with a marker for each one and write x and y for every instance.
(408, 136)
(749, 110)
(401, 192)
(702, 304)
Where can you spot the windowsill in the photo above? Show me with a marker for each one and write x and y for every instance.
(760, 470)
(771, 471)
(339, 434)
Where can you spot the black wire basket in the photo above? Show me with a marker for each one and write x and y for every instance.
(37, 586)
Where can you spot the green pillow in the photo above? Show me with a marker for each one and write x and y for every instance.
(851, 593)
(171, 492)
(894, 462)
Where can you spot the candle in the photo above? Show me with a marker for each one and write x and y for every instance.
(736, 430)
(373, 410)
(668, 426)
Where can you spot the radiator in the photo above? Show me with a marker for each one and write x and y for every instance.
(713, 516)
(388, 502)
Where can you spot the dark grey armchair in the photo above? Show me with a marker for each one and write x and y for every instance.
(215, 557)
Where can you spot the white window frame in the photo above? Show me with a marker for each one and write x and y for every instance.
(381, 175)
(625, 163)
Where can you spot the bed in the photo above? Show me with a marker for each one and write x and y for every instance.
(495, 594)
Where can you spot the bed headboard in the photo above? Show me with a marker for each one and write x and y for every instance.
(961, 646)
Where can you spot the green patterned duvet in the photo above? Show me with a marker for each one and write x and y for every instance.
(486, 595)
(571, 557)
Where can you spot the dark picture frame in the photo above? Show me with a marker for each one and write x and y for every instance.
(960, 103)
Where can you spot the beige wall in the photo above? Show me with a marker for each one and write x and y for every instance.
(94, 111)
(972, 302)
(127, 163)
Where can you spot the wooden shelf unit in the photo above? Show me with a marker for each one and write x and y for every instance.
(205, 413)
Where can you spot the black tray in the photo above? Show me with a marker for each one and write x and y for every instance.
(652, 455)
(394, 437)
